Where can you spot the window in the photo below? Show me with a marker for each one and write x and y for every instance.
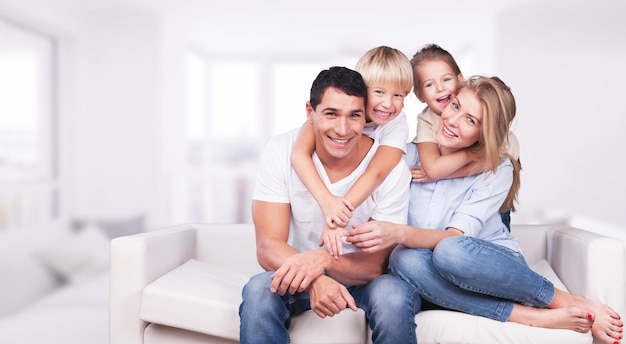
(28, 185)
(233, 106)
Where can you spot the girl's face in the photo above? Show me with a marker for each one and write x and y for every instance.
(383, 104)
(438, 84)
(461, 122)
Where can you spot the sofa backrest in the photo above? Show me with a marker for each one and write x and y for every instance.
(232, 246)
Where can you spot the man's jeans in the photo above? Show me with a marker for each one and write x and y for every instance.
(390, 305)
(473, 276)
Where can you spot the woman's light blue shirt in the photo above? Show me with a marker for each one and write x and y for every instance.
(470, 204)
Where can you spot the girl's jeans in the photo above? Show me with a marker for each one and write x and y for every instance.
(473, 276)
(390, 305)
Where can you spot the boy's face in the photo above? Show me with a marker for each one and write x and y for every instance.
(338, 122)
(383, 104)
(438, 84)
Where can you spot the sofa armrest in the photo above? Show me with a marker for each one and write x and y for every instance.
(590, 264)
(137, 261)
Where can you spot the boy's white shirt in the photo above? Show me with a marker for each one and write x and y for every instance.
(393, 134)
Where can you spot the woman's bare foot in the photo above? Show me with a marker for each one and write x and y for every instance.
(569, 318)
(607, 325)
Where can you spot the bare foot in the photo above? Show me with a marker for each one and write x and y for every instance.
(607, 325)
(569, 318)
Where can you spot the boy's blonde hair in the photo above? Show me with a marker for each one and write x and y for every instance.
(386, 66)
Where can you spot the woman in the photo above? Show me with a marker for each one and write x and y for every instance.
(456, 251)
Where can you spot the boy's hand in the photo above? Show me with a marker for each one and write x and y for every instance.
(418, 175)
(331, 238)
(337, 211)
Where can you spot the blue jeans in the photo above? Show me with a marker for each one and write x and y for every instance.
(389, 303)
(473, 276)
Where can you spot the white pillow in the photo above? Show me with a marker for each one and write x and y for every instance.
(81, 255)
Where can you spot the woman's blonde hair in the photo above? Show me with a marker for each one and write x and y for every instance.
(384, 65)
(498, 112)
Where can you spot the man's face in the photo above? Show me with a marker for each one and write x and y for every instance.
(337, 122)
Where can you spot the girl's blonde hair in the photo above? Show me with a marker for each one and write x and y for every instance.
(498, 112)
(384, 65)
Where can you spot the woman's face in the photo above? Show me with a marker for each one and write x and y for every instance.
(461, 122)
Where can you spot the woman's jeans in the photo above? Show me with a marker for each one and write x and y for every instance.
(389, 303)
(473, 276)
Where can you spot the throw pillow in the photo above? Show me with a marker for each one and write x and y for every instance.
(79, 256)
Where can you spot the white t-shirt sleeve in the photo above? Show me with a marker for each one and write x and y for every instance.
(395, 133)
(271, 178)
(427, 125)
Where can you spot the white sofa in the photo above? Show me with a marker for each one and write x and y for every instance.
(182, 284)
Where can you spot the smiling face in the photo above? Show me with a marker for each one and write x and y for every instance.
(338, 122)
(438, 84)
(461, 122)
(384, 103)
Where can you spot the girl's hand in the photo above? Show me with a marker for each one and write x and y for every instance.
(331, 238)
(337, 211)
(418, 175)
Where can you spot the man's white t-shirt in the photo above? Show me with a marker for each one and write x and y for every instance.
(277, 182)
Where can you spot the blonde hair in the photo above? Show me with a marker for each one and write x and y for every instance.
(498, 112)
(384, 65)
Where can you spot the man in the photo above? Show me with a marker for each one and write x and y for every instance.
(288, 224)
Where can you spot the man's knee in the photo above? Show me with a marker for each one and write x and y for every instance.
(258, 287)
(389, 291)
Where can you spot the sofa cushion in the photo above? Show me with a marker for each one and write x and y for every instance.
(447, 327)
(196, 296)
(201, 297)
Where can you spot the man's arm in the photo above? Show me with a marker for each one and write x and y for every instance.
(271, 225)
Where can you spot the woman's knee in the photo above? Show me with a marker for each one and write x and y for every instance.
(451, 254)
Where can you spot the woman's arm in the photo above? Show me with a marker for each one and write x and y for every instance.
(375, 236)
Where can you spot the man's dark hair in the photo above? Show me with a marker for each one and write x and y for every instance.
(341, 78)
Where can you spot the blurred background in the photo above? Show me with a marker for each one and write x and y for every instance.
(156, 110)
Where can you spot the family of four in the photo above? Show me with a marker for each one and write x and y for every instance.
(347, 215)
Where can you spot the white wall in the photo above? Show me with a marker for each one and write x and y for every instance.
(122, 86)
(566, 69)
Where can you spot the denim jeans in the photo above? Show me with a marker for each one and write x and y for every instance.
(473, 276)
(389, 303)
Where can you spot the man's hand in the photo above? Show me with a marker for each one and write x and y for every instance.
(329, 297)
(298, 271)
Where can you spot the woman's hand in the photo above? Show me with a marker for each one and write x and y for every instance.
(374, 236)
